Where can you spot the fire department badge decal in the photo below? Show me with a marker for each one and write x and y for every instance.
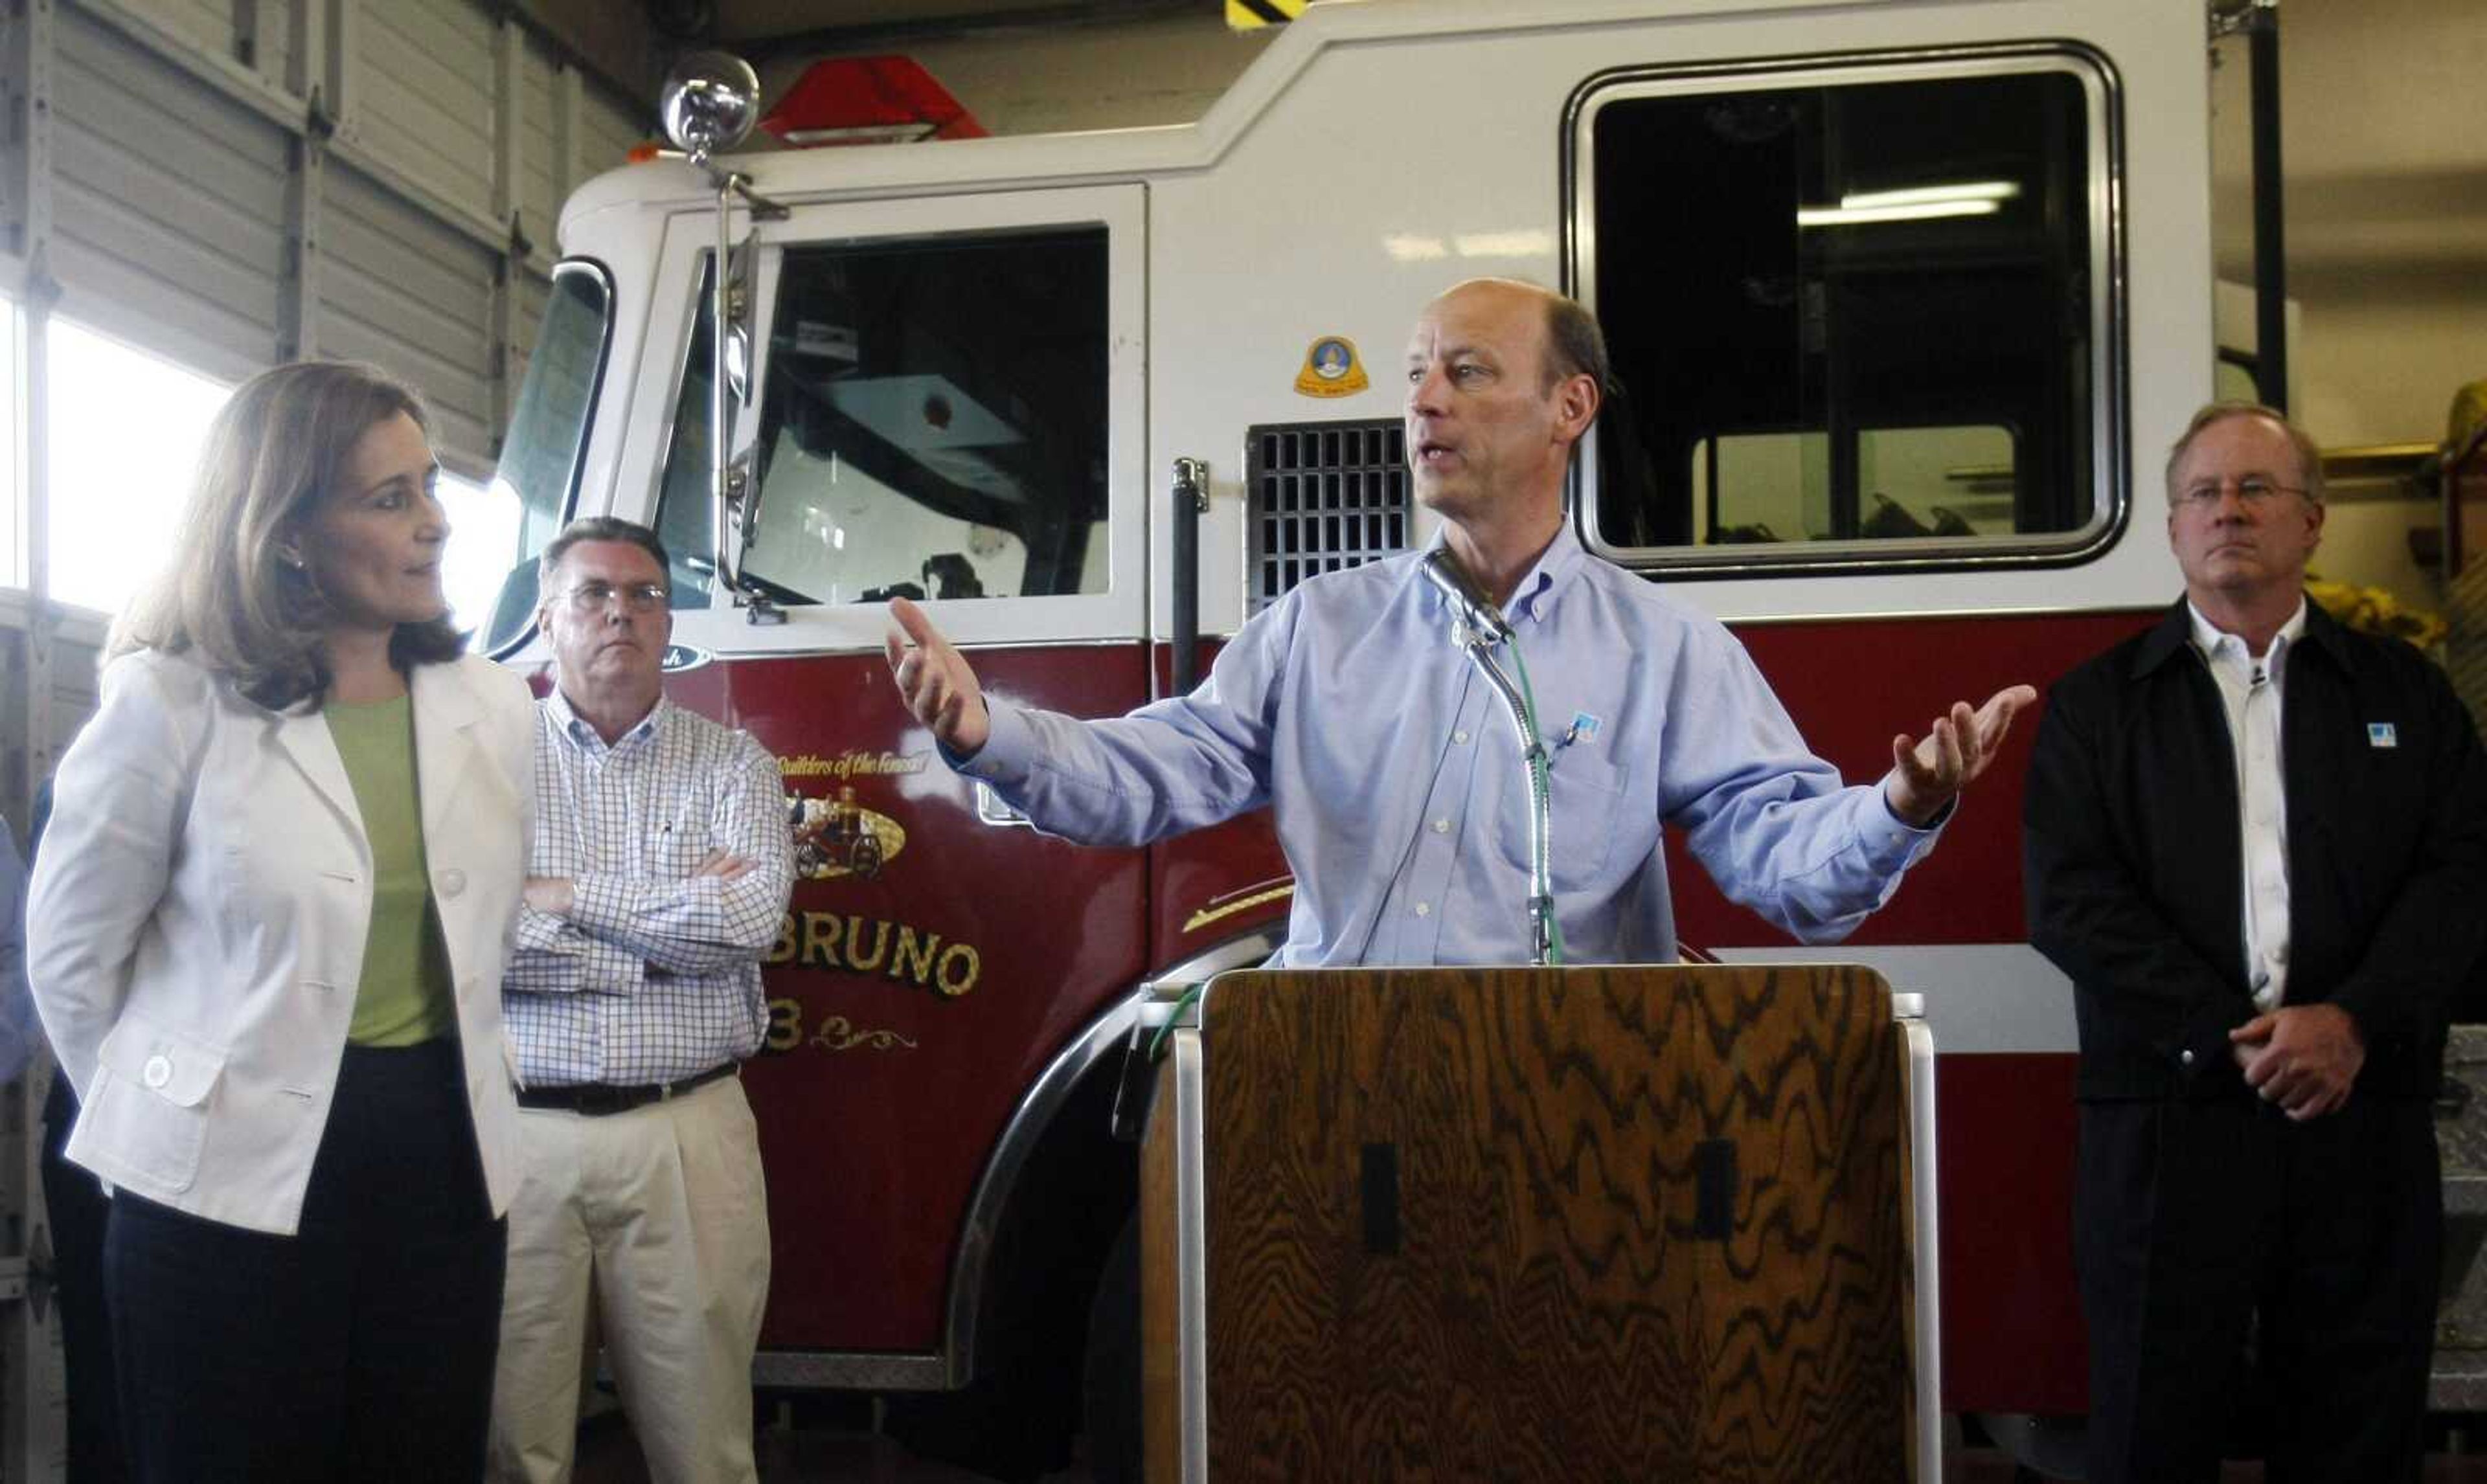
(1331, 369)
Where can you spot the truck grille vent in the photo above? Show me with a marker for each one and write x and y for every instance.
(1325, 497)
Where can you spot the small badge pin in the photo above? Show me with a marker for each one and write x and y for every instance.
(2382, 735)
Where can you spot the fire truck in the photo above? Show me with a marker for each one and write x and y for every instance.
(1907, 300)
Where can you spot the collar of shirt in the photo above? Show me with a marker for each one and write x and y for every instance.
(585, 736)
(2226, 653)
(1539, 587)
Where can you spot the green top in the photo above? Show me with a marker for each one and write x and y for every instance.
(404, 995)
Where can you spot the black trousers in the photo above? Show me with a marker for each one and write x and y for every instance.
(2202, 1227)
(78, 1210)
(359, 1348)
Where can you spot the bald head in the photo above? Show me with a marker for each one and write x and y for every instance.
(1573, 344)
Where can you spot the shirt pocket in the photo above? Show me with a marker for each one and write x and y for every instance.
(677, 847)
(152, 1093)
(1584, 809)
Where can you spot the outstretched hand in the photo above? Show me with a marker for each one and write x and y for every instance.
(936, 683)
(1927, 775)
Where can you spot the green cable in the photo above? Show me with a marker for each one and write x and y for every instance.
(1540, 772)
(1190, 997)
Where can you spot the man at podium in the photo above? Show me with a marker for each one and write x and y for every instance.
(1394, 779)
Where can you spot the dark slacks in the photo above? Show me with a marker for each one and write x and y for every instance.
(75, 1204)
(362, 1347)
(2201, 1226)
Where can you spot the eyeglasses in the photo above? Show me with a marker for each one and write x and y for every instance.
(596, 596)
(2253, 489)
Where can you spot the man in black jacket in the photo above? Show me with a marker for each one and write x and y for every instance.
(2257, 843)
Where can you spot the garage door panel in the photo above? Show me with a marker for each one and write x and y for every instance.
(202, 24)
(168, 203)
(540, 164)
(411, 293)
(124, 273)
(424, 102)
(218, 205)
(395, 253)
(427, 327)
(458, 422)
(612, 131)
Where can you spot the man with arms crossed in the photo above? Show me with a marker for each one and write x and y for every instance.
(2258, 842)
(1393, 777)
(660, 873)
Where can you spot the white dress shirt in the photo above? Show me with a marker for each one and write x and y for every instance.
(2250, 691)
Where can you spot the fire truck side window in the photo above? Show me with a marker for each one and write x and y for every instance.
(934, 419)
(1856, 316)
(547, 430)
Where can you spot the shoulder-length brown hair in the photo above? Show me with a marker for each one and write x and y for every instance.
(229, 596)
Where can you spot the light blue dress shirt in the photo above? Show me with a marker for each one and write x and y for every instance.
(1396, 782)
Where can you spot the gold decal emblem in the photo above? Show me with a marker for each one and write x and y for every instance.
(1221, 908)
(836, 1033)
(899, 951)
(838, 836)
(855, 763)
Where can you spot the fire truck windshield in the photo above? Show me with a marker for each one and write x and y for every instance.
(547, 430)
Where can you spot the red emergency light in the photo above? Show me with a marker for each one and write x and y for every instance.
(855, 100)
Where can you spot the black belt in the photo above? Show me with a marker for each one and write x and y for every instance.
(595, 1099)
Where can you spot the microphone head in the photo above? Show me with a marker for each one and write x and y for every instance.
(1444, 571)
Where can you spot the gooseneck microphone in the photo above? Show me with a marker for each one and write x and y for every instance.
(1481, 630)
(1451, 581)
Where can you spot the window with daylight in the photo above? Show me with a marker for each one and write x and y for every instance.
(116, 489)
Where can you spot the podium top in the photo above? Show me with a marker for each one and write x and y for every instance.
(1176, 1001)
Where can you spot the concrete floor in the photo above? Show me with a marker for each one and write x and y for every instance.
(787, 1455)
(607, 1454)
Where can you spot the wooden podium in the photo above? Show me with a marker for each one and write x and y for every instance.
(1626, 1224)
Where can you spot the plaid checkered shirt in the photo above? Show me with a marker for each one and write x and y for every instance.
(654, 973)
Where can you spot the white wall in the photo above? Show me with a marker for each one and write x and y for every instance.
(2384, 168)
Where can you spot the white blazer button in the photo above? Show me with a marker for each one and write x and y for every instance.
(452, 881)
(158, 1070)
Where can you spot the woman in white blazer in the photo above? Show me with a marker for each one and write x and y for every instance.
(266, 935)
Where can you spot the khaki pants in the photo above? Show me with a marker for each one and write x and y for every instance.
(657, 1216)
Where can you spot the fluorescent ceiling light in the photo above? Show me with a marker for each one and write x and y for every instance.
(1414, 249)
(1926, 195)
(1505, 244)
(1845, 216)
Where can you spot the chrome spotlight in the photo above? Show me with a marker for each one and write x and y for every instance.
(710, 102)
